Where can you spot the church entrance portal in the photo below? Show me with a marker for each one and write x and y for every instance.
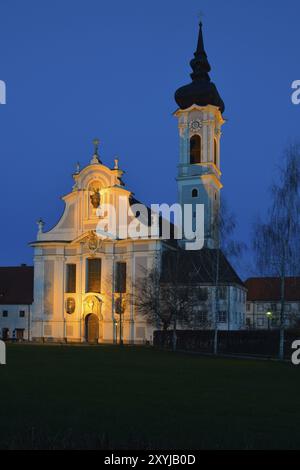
(92, 328)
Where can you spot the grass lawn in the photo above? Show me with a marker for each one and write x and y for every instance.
(134, 397)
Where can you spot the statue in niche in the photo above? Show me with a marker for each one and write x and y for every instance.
(95, 198)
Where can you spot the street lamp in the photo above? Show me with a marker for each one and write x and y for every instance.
(269, 316)
(116, 330)
(119, 310)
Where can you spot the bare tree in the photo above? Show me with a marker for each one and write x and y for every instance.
(224, 225)
(276, 241)
(147, 297)
(168, 299)
(164, 298)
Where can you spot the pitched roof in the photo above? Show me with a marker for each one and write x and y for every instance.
(198, 267)
(16, 285)
(268, 289)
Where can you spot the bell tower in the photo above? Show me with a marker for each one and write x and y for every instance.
(199, 122)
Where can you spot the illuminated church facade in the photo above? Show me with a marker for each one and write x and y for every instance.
(83, 284)
(80, 279)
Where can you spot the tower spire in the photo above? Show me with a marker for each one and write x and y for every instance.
(199, 63)
(201, 90)
(200, 45)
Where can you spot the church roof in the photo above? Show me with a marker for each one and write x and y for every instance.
(198, 267)
(16, 285)
(161, 220)
(201, 90)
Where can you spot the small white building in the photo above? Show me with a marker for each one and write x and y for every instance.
(229, 299)
(16, 298)
(264, 306)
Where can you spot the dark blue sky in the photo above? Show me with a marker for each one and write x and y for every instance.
(84, 68)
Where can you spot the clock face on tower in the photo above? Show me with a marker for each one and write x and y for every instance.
(195, 125)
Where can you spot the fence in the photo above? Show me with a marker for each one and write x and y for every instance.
(244, 342)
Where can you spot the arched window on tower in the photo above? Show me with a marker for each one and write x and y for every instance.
(195, 193)
(215, 152)
(195, 149)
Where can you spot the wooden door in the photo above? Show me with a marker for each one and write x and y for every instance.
(92, 328)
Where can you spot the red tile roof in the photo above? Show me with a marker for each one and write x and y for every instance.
(268, 289)
(16, 285)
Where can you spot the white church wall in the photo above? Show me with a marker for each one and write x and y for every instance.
(53, 323)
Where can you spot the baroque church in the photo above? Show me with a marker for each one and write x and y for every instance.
(82, 283)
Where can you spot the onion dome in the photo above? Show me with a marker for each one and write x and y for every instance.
(201, 90)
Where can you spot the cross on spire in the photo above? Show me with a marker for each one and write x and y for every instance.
(96, 143)
(200, 16)
(96, 158)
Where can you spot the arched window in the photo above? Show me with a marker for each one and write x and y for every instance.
(195, 149)
(195, 193)
(215, 152)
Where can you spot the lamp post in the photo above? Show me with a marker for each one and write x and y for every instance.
(119, 311)
(116, 331)
(269, 316)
